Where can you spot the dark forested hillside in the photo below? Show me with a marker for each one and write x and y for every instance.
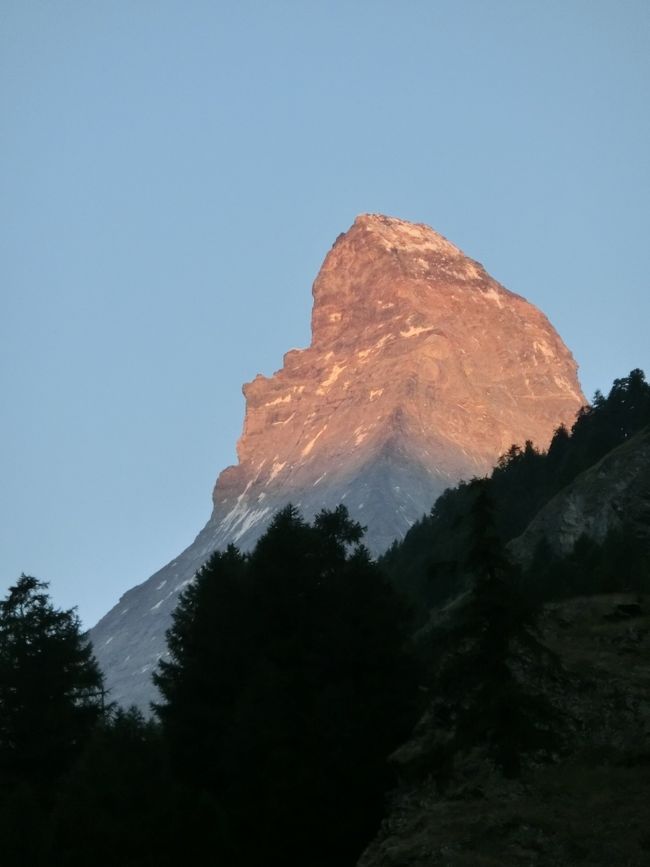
(289, 683)
(531, 587)
(427, 564)
(307, 707)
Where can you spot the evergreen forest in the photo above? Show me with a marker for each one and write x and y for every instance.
(298, 671)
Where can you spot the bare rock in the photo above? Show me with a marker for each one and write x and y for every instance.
(612, 494)
(422, 371)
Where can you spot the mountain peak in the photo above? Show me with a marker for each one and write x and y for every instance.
(386, 269)
(397, 233)
(422, 370)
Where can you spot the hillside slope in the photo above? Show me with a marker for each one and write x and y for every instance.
(590, 805)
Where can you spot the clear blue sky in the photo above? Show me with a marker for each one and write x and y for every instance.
(173, 173)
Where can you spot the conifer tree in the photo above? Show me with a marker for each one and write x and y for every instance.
(287, 687)
(51, 691)
(493, 642)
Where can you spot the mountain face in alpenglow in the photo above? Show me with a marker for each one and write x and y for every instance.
(422, 371)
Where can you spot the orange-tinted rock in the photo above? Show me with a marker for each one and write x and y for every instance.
(422, 370)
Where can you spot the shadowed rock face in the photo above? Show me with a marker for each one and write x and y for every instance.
(611, 495)
(422, 370)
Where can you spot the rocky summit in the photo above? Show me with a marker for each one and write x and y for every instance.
(422, 370)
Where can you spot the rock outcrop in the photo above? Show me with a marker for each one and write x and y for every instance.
(612, 495)
(422, 370)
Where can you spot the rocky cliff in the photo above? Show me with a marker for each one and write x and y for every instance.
(612, 495)
(422, 370)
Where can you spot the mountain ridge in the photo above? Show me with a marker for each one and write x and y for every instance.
(422, 370)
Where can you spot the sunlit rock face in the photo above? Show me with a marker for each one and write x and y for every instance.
(422, 370)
